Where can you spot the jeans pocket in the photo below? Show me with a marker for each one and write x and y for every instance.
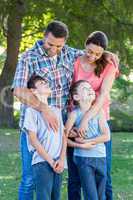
(80, 161)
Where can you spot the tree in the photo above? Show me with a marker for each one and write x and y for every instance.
(24, 20)
(14, 16)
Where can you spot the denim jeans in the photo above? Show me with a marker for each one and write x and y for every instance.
(109, 192)
(26, 186)
(74, 184)
(92, 172)
(48, 182)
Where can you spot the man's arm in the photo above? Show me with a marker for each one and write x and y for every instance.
(27, 97)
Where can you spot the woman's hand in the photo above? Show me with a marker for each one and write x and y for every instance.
(112, 57)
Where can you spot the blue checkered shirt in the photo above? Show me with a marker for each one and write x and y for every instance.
(58, 72)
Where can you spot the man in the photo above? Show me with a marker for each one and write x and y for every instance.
(53, 59)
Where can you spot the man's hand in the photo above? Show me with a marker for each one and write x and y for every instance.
(50, 118)
(111, 57)
(58, 166)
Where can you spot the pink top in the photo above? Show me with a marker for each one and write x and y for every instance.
(95, 81)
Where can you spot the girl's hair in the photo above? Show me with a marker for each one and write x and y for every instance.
(74, 90)
(100, 39)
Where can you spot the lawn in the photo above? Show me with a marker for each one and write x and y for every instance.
(10, 166)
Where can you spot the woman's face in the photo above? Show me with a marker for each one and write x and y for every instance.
(93, 52)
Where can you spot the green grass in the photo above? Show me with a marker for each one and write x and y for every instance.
(10, 166)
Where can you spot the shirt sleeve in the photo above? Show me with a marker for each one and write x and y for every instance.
(21, 74)
(30, 121)
(75, 52)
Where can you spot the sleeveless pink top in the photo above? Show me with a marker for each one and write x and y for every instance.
(95, 81)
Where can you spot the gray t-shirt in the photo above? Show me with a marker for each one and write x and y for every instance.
(52, 142)
(93, 132)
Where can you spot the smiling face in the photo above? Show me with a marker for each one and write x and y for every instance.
(53, 45)
(85, 93)
(93, 52)
(42, 88)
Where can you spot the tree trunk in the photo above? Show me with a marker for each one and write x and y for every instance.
(16, 13)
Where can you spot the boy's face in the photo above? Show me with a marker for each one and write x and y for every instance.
(85, 93)
(42, 88)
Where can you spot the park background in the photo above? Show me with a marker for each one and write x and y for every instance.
(22, 22)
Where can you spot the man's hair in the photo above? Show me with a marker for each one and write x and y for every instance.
(74, 90)
(32, 81)
(58, 29)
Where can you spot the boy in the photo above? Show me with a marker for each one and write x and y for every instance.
(48, 147)
(89, 152)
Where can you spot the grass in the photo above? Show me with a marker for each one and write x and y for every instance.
(10, 166)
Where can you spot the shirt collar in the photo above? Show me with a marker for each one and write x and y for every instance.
(39, 46)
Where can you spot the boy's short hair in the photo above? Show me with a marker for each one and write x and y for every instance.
(58, 29)
(33, 79)
(73, 90)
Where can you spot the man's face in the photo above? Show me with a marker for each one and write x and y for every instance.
(53, 45)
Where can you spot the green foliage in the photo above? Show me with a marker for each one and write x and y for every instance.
(114, 17)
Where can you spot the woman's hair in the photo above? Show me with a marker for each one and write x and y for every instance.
(100, 39)
(74, 90)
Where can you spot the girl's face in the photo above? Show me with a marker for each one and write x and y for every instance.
(85, 93)
(93, 52)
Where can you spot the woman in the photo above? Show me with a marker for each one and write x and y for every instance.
(93, 67)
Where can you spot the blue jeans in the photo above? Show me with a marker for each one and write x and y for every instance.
(48, 182)
(92, 172)
(26, 187)
(74, 185)
(109, 192)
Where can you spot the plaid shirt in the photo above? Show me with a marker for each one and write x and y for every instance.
(59, 73)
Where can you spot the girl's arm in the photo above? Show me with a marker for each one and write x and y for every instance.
(39, 148)
(69, 125)
(104, 92)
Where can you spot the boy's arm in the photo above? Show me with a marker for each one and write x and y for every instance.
(64, 146)
(39, 148)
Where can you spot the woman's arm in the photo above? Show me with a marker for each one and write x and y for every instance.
(70, 123)
(39, 148)
(104, 92)
(104, 128)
